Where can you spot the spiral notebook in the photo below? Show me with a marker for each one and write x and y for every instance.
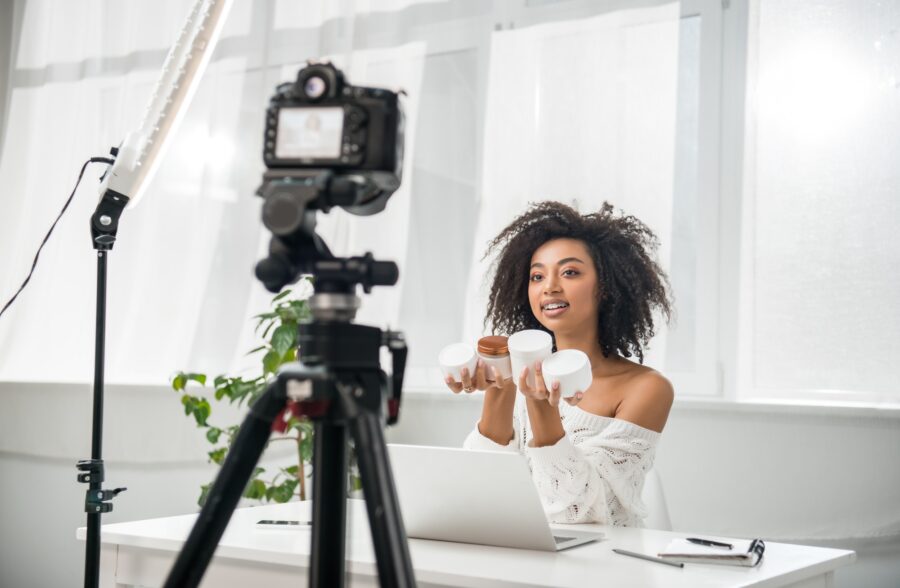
(744, 553)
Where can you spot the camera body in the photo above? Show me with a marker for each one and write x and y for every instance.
(322, 122)
(327, 144)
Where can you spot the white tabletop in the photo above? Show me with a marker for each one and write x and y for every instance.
(482, 566)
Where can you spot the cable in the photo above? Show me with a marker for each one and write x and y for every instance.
(61, 212)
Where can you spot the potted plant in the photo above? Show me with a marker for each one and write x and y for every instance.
(279, 329)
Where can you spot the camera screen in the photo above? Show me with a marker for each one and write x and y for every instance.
(313, 133)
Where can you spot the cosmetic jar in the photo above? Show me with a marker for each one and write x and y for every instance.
(571, 368)
(494, 351)
(527, 347)
(456, 356)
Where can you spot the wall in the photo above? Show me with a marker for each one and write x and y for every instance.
(802, 474)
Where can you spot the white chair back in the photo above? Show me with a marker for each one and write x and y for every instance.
(655, 500)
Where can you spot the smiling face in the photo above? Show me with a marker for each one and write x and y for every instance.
(562, 286)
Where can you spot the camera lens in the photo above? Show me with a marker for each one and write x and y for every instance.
(315, 87)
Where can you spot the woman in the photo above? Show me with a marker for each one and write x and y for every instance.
(591, 282)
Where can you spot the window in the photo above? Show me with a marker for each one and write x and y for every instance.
(820, 286)
(611, 106)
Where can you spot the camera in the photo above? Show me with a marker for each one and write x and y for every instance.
(327, 143)
(321, 122)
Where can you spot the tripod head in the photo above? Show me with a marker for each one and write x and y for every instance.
(289, 212)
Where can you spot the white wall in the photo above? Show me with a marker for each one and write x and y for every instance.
(788, 470)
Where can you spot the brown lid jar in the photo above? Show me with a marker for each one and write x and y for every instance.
(493, 345)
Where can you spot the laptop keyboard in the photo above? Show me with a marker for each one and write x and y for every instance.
(562, 539)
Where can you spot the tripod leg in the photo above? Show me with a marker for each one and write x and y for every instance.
(329, 507)
(248, 446)
(388, 533)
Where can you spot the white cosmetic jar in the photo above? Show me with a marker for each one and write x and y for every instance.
(527, 347)
(456, 356)
(571, 368)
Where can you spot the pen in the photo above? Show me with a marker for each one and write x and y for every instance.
(709, 542)
(649, 558)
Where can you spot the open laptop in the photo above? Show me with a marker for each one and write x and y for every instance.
(482, 497)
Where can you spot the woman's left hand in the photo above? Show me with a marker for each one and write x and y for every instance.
(540, 391)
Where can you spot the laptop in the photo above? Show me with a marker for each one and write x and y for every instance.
(480, 497)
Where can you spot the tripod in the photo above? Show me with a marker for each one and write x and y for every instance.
(340, 386)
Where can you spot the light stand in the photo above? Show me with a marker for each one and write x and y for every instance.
(104, 224)
(124, 182)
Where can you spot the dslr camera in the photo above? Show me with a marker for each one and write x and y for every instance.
(327, 143)
(321, 122)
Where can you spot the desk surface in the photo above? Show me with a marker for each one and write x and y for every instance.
(476, 565)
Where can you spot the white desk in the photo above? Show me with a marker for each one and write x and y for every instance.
(141, 553)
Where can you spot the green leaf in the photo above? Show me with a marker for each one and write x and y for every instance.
(204, 493)
(285, 491)
(268, 328)
(201, 411)
(222, 391)
(188, 402)
(217, 456)
(255, 490)
(201, 378)
(288, 313)
(219, 380)
(291, 471)
(306, 449)
(257, 349)
(284, 338)
(282, 295)
(212, 434)
(257, 471)
(271, 361)
(179, 381)
(355, 482)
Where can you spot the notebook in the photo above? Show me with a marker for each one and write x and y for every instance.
(744, 553)
(481, 497)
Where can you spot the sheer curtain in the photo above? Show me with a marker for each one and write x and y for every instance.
(507, 103)
(822, 319)
(80, 80)
(580, 112)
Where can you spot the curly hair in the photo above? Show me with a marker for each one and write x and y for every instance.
(631, 284)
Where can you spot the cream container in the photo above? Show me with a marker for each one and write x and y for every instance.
(571, 368)
(527, 347)
(456, 356)
(494, 351)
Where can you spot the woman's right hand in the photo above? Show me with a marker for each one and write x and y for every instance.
(484, 379)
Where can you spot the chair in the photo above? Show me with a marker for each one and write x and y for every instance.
(655, 500)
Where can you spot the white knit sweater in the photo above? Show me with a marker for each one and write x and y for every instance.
(594, 474)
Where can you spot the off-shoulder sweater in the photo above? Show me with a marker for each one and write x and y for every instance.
(594, 474)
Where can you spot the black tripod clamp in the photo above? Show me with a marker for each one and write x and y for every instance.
(96, 500)
(396, 344)
(105, 220)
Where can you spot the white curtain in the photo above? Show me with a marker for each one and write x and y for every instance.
(580, 112)
(181, 289)
(491, 124)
